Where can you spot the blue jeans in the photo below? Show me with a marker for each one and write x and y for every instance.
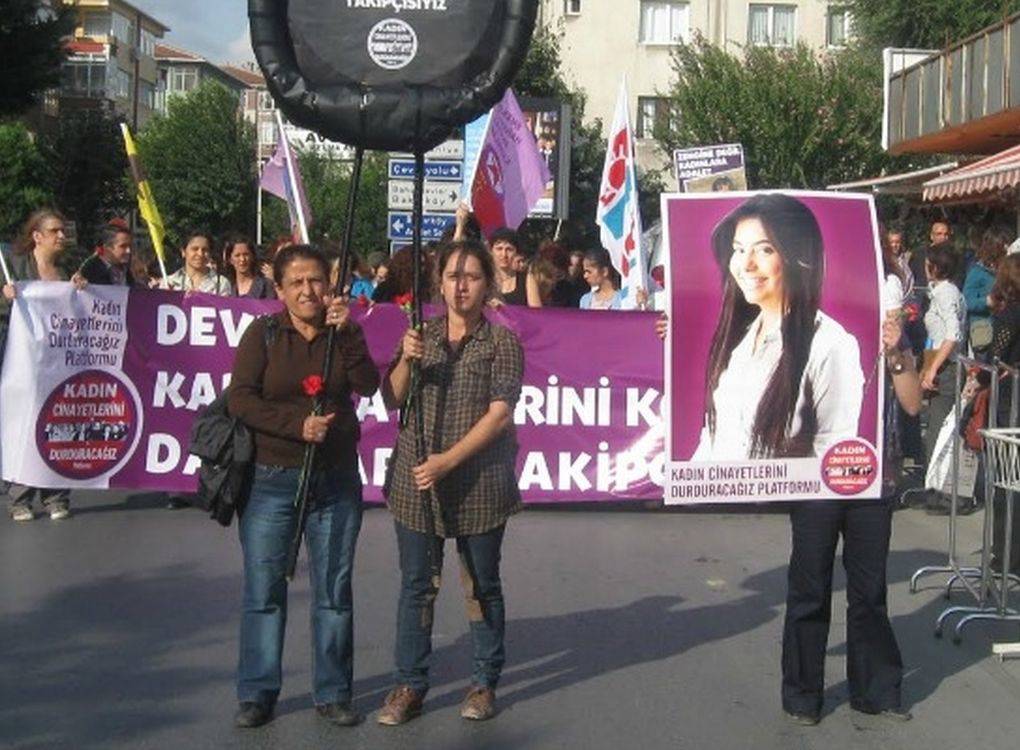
(266, 528)
(483, 595)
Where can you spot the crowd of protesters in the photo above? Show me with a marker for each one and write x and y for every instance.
(939, 301)
(956, 299)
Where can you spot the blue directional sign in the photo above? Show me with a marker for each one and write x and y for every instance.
(432, 227)
(443, 171)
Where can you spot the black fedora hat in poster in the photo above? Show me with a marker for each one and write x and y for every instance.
(391, 75)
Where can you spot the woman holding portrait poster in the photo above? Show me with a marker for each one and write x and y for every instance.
(784, 381)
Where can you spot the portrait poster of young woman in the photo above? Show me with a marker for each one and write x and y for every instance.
(775, 327)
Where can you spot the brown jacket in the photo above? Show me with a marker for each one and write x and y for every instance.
(266, 391)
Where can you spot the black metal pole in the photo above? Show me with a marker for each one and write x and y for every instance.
(415, 395)
(344, 266)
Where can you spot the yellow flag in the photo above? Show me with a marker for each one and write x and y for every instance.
(146, 203)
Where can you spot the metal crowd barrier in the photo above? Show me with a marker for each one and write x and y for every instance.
(990, 590)
(959, 573)
(993, 604)
(1002, 451)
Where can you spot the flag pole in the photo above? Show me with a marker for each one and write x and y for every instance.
(3, 267)
(258, 197)
(414, 398)
(311, 449)
(146, 202)
(288, 158)
(162, 270)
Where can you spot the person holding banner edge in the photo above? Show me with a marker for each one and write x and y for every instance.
(276, 377)
(472, 372)
(36, 258)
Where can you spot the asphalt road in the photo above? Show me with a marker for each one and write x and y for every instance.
(627, 629)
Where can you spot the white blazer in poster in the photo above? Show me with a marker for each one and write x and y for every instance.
(772, 370)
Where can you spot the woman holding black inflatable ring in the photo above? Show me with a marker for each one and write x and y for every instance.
(471, 374)
(276, 378)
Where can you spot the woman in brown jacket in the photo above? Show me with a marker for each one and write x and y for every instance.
(277, 373)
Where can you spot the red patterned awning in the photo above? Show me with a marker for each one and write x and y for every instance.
(986, 176)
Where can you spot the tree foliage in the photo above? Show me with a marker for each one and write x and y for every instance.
(541, 77)
(923, 24)
(200, 160)
(326, 186)
(23, 180)
(805, 121)
(87, 168)
(31, 51)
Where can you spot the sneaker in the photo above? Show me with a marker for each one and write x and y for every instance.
(803, 719)
(59, 513)
(401, 705)
(340, 714)
(251, 714)
(479, 704)
(892, 714)
(22, 513)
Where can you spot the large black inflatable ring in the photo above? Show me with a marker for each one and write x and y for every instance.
(391, 75)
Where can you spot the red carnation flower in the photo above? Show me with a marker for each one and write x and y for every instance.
(404, 299)
(363, 301)
(313, 385)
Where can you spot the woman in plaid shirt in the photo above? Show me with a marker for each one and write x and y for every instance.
(471, 373)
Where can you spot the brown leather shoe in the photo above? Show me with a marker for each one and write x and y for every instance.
(479, 704)
(401, 705)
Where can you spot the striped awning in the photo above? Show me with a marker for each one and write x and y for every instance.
(982, 177)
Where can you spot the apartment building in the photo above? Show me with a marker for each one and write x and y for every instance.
(637, 36)
(111, 60)
(182, 71)
(257, 105)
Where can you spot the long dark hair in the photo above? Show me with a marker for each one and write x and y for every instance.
(1006, 290)
(227, 268)
(794, 232)
(600, 257)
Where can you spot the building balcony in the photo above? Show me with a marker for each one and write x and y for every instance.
(964, 99)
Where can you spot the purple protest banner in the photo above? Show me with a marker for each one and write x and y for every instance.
(588, 421)
(774, 341)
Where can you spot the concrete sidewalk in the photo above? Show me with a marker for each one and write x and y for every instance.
(627, 629)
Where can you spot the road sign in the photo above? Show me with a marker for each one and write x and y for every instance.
(432, 228)
(438, 171)
(439, 197)
(451, 149)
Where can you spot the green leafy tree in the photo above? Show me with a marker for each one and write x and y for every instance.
(87, 168)
(805, 121)
(541, 76)
(31, 51)
(326, 186)
(24, 186)
(200, 160)
(924, 24)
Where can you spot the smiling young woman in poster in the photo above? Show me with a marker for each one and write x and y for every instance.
(771, 338)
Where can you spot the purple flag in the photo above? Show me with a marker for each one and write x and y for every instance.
(511, 175)
(282, 177)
